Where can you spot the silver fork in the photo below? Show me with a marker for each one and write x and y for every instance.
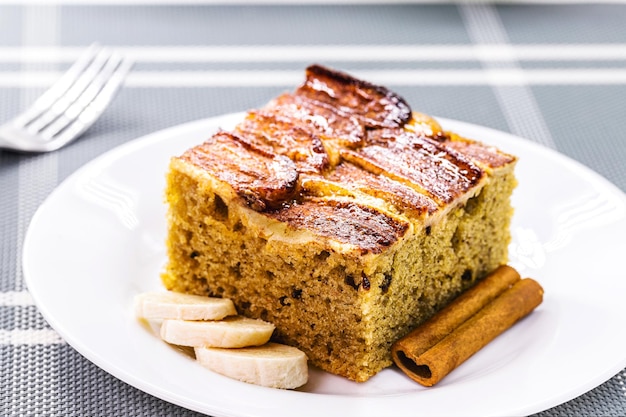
(70, 106)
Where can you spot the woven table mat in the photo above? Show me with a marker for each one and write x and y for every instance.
(491, 65)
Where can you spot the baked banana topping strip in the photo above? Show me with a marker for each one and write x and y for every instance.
(224, 342)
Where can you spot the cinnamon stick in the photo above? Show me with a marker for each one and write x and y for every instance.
(466, 325)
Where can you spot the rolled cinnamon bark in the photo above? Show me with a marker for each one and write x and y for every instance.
(466, 325)
(458, 311)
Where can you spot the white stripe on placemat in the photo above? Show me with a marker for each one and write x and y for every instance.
(37, 176)
(283, 2)
(263, 78)
(29, 337)
(16, 298)
(344, 53)
(516, 101)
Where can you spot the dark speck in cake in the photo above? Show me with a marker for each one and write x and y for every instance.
(467, 275)
(365, 283)
(384, 286)
(296, 293)
(350, 281)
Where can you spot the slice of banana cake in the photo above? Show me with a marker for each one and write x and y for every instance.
(339, 215)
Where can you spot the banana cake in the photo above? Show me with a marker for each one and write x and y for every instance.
(340, 215)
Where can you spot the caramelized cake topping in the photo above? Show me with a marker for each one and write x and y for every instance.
(333, 125)
(400, 195)
(375, 105)
(487, 157)
(277, 134)
(262, 180)
(349, 222)
(441, 173)
(340, 136)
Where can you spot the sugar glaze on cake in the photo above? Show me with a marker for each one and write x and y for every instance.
(339, 215)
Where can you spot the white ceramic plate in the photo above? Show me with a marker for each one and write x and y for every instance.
(99, 239)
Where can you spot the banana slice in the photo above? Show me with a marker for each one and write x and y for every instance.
(174, 305)
(271, 365)
(231, 332)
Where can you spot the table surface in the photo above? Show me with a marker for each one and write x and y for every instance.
(554, 74)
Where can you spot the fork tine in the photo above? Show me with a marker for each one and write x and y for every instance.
(70, 94)
(58, 88)
(64, 116)
(90, 110)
